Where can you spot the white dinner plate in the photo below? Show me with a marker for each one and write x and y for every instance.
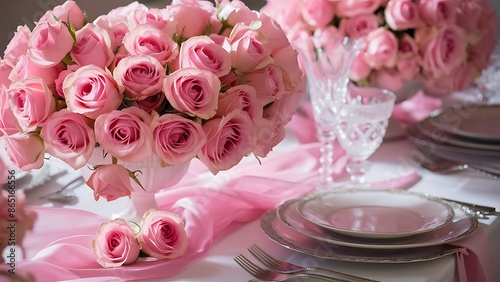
(461, 226)
(376, 213)
(472, 121)
(285, 236)
(427, 127)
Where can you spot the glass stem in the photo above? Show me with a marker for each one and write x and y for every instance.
(357, 170)
(326, 139)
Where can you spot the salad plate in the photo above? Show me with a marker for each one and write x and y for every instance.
(376, 214)
(462, 225)
(478, 122)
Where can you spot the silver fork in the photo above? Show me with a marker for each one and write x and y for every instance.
(268, 275)
(286, 267)
(434, 163)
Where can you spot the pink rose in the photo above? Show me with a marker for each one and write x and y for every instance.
(91, 91)
(61, 77)
(110, 182)
(349, 8)
(152, 103)
(184, 11)
(318, 13)
(93, 47)
(444, 50)
(25, 151)
(139, 77)
(5, 70)
(153, 16)
(381, 48)
(409, 60)
(268, 83)
(269, 134)
(24, 218)
(402, 14)
(229, 139)
(249, 49)
(360, 69)
(286, 15)
(359, 26)
(287, 60)
(193, 91)
(146, 39)
(18, 46)
(235, 12)
(117, 29)
(390, 80)
(115, 244)
(162, 235)
(8, 122)
(67, 12)
(240, 97)
(25, 68)
(177, 139)
(49, 43)
(203, 53)
(125, 134)
(69, 136)
(437, 12)
(31, 101)
(459, 79)
(469, 15)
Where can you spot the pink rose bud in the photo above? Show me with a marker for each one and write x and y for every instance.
(110, 182)
(17, 46)
(162, 235)
(67, 12)
(93, 47)
(49, 43)
(115, 244)
(25, 151)
(402, 14)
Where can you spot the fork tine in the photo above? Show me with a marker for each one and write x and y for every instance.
(250, 267)
(263, 257)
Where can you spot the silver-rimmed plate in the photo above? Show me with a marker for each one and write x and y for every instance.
(461, 226)
(376, 214)
(427, 127)
(285, 236)
(478, 122)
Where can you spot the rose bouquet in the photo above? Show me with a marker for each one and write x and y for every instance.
(442, 44)
(191, 80)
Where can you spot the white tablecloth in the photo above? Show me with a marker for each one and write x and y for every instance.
(391, 160)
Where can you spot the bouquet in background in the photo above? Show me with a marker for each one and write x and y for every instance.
(191, 80)
(442, 44)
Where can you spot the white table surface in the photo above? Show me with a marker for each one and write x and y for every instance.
(391, 160)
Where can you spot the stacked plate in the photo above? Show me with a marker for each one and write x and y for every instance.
(369, 226)
(470, 130)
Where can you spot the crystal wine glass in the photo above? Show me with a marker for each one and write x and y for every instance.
(327, 60)
(362, 126)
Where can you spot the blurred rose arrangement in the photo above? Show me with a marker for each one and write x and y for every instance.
(443, 44)
(191, 80)
(160, 235)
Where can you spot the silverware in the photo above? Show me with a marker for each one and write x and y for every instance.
(442, 165)
(268, 275)
(286, 267)
(58, 196)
